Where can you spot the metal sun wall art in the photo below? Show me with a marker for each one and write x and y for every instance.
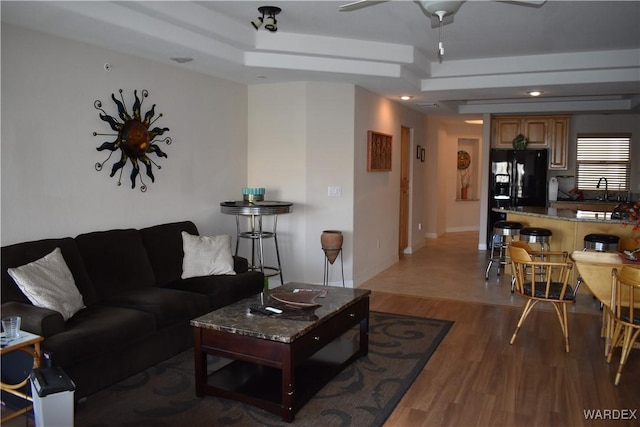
(134, 139)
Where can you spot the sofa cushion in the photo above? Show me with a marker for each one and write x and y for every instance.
(223, 290)
(24, 253)
(168, 306)
(206, 255)
(97, 330)
(48, 283)
(116, 261)
(164, 249)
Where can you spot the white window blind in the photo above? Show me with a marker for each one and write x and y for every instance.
(603, 155)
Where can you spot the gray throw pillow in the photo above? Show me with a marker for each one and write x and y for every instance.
(206, 256)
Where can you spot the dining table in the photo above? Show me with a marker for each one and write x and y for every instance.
(596, 272)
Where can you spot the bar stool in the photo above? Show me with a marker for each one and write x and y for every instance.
(599, 243)
(542, 236)
(504, 233)
(538, 235)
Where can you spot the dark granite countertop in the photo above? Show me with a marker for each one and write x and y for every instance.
(603, 216)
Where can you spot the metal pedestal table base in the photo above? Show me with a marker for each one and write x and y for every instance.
(255, 211)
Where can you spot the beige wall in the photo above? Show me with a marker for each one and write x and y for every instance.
(376, 208)
(300, 143)
(49, 185)
(314, 137)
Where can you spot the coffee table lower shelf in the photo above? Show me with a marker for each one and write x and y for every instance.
(261, 386)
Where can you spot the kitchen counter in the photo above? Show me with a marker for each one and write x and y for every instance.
(599, 216)
(569, 227)
(585, 205)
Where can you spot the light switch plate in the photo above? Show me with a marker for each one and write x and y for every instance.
(334, 191)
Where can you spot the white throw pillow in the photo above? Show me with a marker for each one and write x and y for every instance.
(48, 283)
(206, 256)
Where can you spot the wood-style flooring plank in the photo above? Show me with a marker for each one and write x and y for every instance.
(476, 378)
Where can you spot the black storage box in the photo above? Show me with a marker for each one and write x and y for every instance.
(51, 380)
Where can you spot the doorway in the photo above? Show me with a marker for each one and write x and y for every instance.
(403, 227)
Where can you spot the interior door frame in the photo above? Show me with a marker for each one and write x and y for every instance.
(404, 203)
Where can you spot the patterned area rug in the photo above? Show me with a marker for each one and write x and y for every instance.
(364, 394)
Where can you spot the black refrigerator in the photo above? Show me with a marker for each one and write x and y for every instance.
(517, 178)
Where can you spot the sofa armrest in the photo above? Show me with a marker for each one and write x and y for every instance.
(240, 264)
(37, 320)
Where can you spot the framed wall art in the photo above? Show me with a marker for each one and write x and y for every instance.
(378, 151)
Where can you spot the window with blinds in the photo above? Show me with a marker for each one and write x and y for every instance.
(603, 155)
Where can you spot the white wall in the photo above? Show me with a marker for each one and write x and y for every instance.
(301, 142)
(313, 137)
(376, 207)
(49, 185)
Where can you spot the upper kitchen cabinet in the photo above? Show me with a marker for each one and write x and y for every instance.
(504, 129)
(542, 131)
(558, 142)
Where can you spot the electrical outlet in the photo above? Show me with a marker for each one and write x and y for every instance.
(419, 226)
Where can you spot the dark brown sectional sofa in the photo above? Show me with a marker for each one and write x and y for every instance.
(137, 306)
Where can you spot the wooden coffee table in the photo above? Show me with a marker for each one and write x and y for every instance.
(279, 362)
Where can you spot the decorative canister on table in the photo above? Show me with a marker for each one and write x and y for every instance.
(331, 244)
(253, 194)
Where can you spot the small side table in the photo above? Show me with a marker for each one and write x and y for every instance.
(30, 344)
(255, 211)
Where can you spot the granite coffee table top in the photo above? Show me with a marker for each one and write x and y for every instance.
(292, 323)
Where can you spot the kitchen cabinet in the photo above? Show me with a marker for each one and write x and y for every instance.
(558, 142)
(536, 129)
(550, 132)
(504, 130)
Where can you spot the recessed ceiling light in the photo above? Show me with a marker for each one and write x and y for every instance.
(406, 97)
(535, 93)
(474, 122)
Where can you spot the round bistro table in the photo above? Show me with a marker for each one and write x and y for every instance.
(254, 211)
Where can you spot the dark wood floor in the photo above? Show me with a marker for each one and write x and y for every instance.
(475, 378)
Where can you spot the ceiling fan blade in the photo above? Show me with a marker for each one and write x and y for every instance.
(359, 4)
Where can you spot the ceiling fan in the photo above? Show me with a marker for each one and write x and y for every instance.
(441, 12)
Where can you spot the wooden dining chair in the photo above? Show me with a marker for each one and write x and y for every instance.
(624, 312)
(549, 283)
(536, 255)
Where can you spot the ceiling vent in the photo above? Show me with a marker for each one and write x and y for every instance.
(426, 105)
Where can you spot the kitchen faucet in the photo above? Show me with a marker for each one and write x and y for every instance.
(606, 188)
